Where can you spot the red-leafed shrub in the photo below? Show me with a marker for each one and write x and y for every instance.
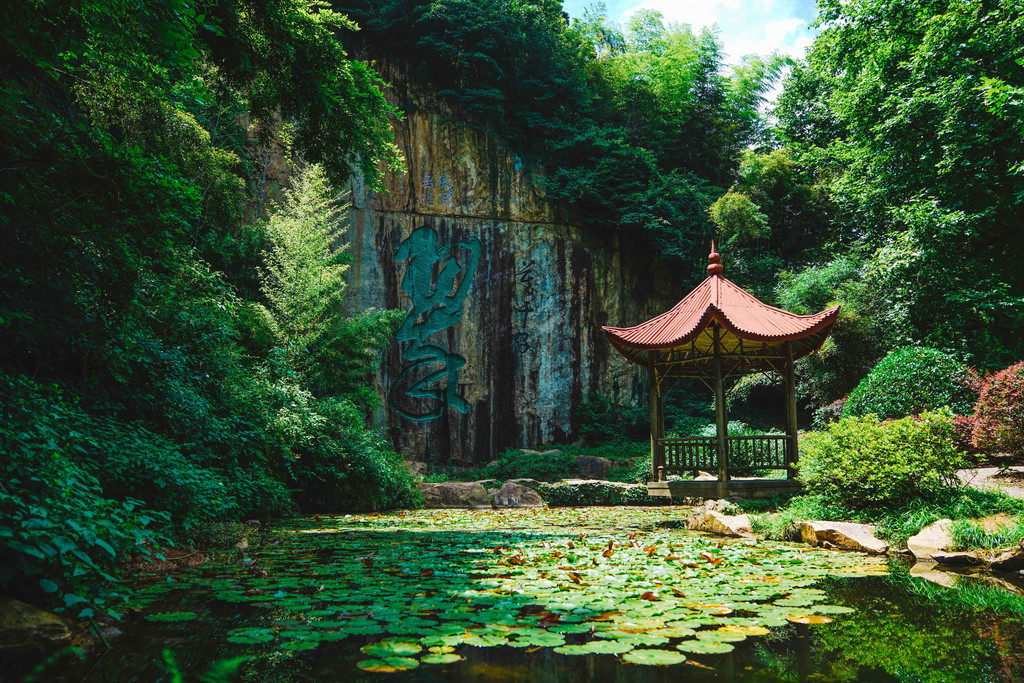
(963, 430)
(999, 413)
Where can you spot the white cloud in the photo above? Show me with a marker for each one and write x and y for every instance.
(745, 26)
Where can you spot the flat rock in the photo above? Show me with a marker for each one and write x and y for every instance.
(513, 495)
(532, 483)
(934, 538)
(582, 482)
(1009, 560)
(842, 535)
(593, 467)
(713, 522)
(454, 494)
(553, 452)
(964, 559)
(24, 627)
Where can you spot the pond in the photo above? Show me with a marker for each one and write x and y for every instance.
(569, 594)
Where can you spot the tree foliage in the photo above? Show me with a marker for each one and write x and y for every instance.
(142, 393)
(638, 128)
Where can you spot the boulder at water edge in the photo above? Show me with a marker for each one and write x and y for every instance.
(933, 540)
(24, 627)
(714, 522)
(842, 535)
(454, 494)
(1011, 560)
(513, 495)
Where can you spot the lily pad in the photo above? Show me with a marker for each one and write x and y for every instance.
(388, 664)
(392, 648)
(171, 616)
(654, 657)
(705, 647)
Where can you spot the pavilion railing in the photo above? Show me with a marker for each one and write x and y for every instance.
(746, 454)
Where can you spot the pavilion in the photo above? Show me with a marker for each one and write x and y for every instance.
(716, 332)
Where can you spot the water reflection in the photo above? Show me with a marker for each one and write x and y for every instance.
(904, 627)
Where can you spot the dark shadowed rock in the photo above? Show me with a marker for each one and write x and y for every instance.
(964, 559)
(513, 495)
(24, 627)
(1009, 560)
(592, 467)
(454, 494)
(842, 535)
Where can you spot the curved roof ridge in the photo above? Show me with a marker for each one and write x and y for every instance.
(718, 299)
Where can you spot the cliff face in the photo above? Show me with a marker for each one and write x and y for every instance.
(504, 297)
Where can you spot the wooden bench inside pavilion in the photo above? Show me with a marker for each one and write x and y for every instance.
(716, 333)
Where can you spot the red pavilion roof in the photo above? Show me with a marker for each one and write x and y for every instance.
(718, 300)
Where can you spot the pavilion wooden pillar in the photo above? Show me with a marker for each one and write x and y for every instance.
(657, 406)
(721, 445)
(793, 452)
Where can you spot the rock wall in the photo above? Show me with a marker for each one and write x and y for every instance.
(504, 296)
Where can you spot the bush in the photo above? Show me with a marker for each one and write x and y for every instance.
(343, 466)
(911, 380)
(602, 420)
(999, 413)
(517, 464)
(826, 415)
(596, 493)
(860, 462)
(61, 535)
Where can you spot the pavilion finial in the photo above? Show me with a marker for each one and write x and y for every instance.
(715, 266)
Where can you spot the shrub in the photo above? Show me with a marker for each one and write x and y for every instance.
(596, 493)
(963, 431)
(826, 415)
(861, 462)
(999, 413)
(602, 420)
(61, 535)
(911, 380)
(340, 465)
(517, 464)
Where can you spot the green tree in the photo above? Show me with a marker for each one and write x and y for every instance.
(901, 105)
(303, 283)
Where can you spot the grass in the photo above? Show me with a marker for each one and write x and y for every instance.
(967, 594)
(774, 519)
(969, 535)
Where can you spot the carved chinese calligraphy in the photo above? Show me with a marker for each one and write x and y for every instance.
(437, 279)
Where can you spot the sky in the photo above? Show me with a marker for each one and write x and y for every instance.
(745, 26)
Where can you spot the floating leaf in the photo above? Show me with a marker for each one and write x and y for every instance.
(171, 616)
(809, 619)
(705, 647)
(440, 658)
(654, 657)
(392, 648)
(388, 664)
